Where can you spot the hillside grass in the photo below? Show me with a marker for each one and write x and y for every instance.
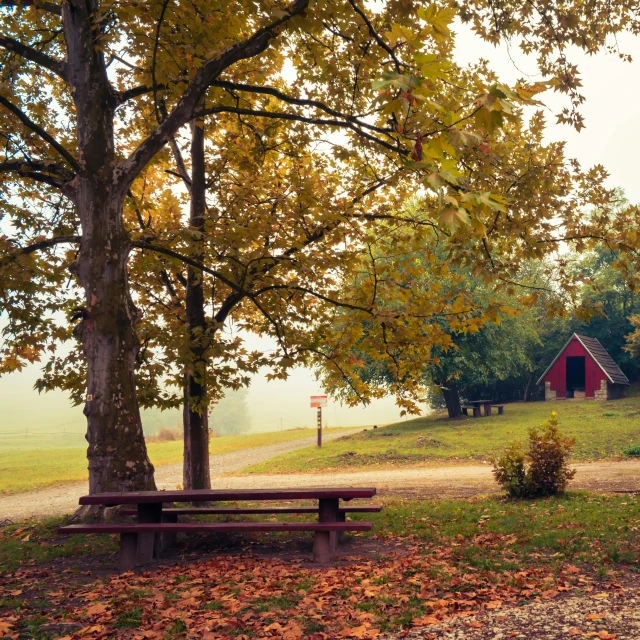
(35, 461)
(603, 430)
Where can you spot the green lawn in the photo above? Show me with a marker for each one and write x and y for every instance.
(602, 430)
(488, 534)
(42, 460)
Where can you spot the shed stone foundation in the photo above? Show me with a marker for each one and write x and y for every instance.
(548, 393)
(602, 392)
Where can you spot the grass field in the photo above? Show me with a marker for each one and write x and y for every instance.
(603, 430)
(596, 530)
(34, 461)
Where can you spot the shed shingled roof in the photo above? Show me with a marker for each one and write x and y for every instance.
(599, 354)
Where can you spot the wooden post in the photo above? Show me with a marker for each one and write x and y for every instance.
(322, 547)
(128, 551)
(169, 540)
(342, 517)
(320, 426)
(148, 543)
(329, 511)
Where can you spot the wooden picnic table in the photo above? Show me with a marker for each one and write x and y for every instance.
(486, 404)
(140, 542)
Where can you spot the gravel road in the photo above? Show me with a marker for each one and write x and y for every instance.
(611, 615)
(427, 482)
(64, 499)
(455, 481)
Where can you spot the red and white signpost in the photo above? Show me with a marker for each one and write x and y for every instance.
(319, 402)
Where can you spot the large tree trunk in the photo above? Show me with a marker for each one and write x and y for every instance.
(451, 399)
(196, 474)
(117, 453)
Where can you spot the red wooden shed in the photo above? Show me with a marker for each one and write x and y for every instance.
(583, 369)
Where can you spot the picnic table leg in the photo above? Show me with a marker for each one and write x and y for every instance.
(128, 551)
(476, 411)
(324, 542)
(169, 540)
(149, 543)
(487, 408)
(342, 517)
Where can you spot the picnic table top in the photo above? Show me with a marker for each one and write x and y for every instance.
(480, 401)
(217, 495)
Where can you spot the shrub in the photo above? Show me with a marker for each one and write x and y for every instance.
(543, 470)
(633, 451)
(166, 435)
(510, 471)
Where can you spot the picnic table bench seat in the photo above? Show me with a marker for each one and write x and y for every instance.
(322, 546)
(474, 408)
(205, 511)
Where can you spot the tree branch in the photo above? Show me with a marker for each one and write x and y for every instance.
(182, 169)
(376, 36)
(227, 306)
(62, 174)
(210, 70)
(187, 260)
(50, 242)
(39, 131)
(298, 118)
(303, 102)
(128, 94)
(56, 66)
(39, 246)
(42, 177)
(49, 7)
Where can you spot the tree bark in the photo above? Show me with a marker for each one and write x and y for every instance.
(527, 388)
(117, 452)
(451, 399)
(196, 473)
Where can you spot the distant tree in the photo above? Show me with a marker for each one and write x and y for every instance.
(608, 291)
(230, 416)
(632, 339)
(480, 362)
(488, 338)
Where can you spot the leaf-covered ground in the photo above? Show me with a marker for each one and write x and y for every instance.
(429, 564)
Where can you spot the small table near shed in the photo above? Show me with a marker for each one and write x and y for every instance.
(139, 542)
(476, 404)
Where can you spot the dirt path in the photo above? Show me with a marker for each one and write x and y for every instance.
(64, 499)
(427, 482)
(446, 481)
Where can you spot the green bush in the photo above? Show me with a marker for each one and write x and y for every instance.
(543, 470)
(633, 451)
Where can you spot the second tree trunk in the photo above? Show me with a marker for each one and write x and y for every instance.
(196, 474)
